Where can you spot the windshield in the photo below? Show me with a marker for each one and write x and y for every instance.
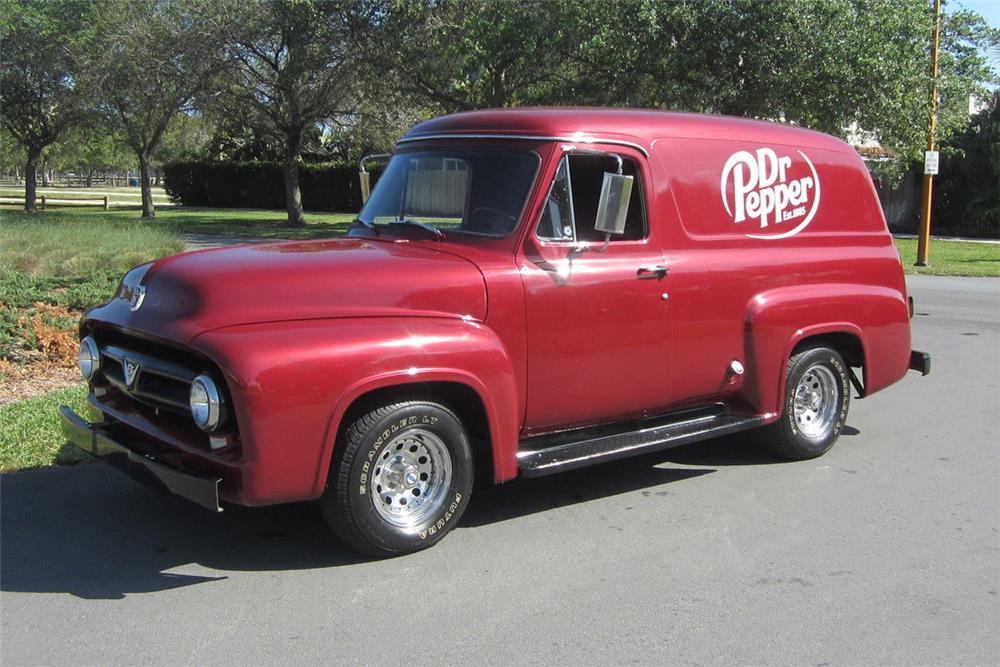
(464, 192)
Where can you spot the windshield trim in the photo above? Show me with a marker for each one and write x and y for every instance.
(454, 232)
(579, 139)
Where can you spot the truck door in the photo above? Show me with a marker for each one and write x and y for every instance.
(597, 327)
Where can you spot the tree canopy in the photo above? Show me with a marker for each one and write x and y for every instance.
(318, 79)
(291, 68)
(151, 60)
(40, 65)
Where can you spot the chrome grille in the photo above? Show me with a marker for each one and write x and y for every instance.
(148, 379)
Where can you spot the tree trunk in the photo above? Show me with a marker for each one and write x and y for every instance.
(293, 195)
(31, 179)
(148, 210)
(90, 177)
(46, 172)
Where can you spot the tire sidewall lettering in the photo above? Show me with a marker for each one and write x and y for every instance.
(363, 470)
(840, 371)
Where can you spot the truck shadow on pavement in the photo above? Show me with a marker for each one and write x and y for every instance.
(521, 497)
(91, 532)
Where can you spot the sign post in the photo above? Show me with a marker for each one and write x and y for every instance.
(931, 156)
(931, 163)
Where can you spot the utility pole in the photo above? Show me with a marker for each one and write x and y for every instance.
(924, 242)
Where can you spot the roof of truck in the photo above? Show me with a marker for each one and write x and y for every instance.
(639, 127)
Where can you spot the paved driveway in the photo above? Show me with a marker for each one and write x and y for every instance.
(887, 550)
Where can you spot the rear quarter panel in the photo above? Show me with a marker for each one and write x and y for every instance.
(750, 288)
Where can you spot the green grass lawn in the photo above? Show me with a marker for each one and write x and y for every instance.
(952, 258)
(31, 435)
(214, 221)
(53, 267)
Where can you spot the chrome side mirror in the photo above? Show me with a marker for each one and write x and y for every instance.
(365, 177)
(612, 207)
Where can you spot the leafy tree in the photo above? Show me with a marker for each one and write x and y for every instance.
(154, 59)
(291, 70)
(89, 148)
(40, 66)
(456, 55)
(187, 137)
(824, 64)
(12, 154)
(373, 128)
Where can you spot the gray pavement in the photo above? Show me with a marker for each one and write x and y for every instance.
(885, 551)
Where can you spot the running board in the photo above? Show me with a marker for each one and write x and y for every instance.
(547, 454)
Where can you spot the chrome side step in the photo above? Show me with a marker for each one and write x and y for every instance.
(547, 454)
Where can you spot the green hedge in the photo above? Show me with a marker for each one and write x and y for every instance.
(325, 186)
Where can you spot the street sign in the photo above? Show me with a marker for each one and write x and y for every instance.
(931, 163)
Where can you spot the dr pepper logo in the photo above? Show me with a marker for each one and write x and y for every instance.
(778, 195)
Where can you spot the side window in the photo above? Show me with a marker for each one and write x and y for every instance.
(556, 223)
(571, 208)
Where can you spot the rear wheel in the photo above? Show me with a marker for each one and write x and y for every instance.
(401, 478)
(817, 398)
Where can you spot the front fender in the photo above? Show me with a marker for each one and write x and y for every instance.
(777, 320)
(293, 382)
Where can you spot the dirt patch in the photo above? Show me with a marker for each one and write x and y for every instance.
(52, 330)
(40, 355)
(35, 380)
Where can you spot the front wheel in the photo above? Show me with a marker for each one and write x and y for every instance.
(401, 478)
(817, 397)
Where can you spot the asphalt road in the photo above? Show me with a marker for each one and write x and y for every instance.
(885, 551)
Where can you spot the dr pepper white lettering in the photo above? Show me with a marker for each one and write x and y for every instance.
(764, 190)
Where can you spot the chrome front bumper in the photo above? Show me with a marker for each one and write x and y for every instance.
(144, 468)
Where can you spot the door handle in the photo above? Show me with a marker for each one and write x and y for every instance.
(651, 272)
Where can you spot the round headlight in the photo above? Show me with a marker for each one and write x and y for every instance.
(206, 405)
(88, 358)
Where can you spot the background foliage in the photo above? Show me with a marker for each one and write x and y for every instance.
(967, 193)
(302, 81)
(258, 184)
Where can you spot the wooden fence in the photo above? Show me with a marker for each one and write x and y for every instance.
(44, 201)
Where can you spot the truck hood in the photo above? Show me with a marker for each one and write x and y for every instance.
(188, 294)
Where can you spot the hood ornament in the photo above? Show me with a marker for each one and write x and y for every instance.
(135, 294)
(131, 371)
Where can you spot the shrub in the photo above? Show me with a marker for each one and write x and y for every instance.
(967, 192)
(325, 186)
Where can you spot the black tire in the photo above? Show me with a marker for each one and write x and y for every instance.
(353, 489)
(796, 436)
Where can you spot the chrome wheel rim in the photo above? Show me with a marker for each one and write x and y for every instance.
(816, 400)
(411, 478)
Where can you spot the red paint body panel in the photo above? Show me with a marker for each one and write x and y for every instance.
(274, 282)
(771, 235)
(292, 382)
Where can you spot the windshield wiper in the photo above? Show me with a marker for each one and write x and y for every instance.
(366, 223)
(422, 225)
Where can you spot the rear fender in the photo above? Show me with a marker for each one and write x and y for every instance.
(779, 320)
